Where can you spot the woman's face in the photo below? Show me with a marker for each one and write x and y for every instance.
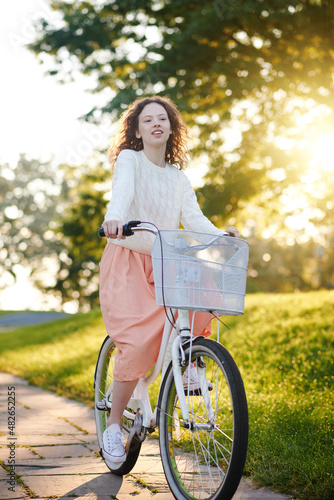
(153, 125)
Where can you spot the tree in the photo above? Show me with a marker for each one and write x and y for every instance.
(263, 68)
(296, 267)
(49, 221)
(31, 195)
(256, 62)
(77, 277)
(204, 54)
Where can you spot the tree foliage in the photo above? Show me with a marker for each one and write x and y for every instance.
(31, 195)
(265, 63)
(296, 267)
(49, 223)
(204, 54)
(261, 68)
(77, 278)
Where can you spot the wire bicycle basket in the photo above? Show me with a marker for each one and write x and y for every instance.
(200, 271)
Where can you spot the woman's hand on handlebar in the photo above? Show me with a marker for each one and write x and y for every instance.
(113, 229)
(232, 231)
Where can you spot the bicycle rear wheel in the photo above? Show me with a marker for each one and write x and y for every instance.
(103, 381)
(207, 460)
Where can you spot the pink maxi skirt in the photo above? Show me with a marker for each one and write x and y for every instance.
(131, 315)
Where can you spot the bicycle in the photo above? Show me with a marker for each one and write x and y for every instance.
(203, 431)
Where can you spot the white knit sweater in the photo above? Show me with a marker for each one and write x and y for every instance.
(143, 191)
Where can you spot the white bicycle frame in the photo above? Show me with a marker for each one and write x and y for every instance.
(170, 350)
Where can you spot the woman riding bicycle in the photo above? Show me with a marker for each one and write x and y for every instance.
(148, 155)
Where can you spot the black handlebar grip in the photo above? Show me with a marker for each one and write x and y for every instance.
(127, 228)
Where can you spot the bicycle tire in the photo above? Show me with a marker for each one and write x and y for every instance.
(102, 379)
(202, 464)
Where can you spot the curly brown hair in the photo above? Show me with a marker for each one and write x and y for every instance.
(125, 138)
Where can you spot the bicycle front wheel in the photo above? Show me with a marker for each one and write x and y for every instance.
(103, 383)
(206, 460)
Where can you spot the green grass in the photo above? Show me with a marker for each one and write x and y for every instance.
(283, 346)
(59, 356)
(4, 313)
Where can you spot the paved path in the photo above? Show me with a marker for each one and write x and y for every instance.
(54, 449)
(26, 318)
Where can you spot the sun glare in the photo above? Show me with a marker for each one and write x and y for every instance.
(322, 153)
(300, 201)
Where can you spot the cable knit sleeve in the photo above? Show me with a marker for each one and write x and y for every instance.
(192, 217)
(123, 186)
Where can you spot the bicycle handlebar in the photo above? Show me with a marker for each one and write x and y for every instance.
(130, 227)
(127, 228)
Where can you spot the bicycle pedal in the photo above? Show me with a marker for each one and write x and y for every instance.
(101, 405)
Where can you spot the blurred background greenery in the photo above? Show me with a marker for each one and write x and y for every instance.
(255, 83)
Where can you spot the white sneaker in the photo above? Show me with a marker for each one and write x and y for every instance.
(113, 446)
(190, 380)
